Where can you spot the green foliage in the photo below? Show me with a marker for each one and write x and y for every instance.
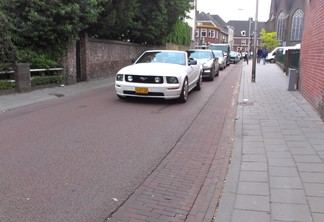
(36, 60)
(39, 31)
(269, 39)
(139, 21)
(49, 25)
(7, 48)
(154, 20)
(5, 84)
(181, 34)
(44, 80)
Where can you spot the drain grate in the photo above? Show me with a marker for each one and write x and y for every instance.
(56, 94)
(245, 103)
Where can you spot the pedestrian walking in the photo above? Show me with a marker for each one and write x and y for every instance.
(246, 57)
(264, 55)
(259, 54)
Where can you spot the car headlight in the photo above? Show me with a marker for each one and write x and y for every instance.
(120, 77)
(208, 64)
(130, 78)
(172, 79)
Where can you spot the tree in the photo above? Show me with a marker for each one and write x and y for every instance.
(7, 48)
(47, 27)
(155, 20)
(115, 21)
(269, 39)
(181, 34)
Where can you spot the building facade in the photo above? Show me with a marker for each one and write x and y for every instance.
(287, 20)
(244, 34)
(311, 80)
(210, 29)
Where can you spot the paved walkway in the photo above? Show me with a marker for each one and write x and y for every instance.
(12, 101)
(277, 167)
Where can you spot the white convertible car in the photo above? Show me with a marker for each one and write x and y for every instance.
(159, 74)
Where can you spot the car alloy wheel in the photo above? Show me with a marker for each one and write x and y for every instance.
(199, 83)
(184, 92)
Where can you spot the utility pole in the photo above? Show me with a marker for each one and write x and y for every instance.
(255, 41)
(249, 38)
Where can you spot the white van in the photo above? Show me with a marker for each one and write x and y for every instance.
(282, 49)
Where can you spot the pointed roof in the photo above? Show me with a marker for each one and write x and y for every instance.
(243, 26)
(215, 19)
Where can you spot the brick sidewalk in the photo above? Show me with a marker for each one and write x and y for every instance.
(277, 170)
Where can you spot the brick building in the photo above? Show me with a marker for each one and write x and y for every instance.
(244, 34)
(311, 82)
(211, 29)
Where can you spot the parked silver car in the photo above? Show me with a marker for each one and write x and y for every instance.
(221, 58)
(207, 60)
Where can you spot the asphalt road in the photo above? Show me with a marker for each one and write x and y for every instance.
(79, 157)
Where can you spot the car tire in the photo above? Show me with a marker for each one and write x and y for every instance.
(212, 74)
(184, 92)
(199, 83)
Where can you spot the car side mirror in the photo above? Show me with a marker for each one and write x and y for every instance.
(192, 62)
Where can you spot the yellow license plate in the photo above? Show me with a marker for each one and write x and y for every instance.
(141, 90)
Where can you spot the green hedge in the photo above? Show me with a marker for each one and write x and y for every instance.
(44, 80)
(36, 81)
(5, 84)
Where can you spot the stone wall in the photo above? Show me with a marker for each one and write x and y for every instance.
(106, 57)
(98, 59)
(69, 65)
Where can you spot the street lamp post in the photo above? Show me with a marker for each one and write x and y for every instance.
(255, 41)
(249, 38)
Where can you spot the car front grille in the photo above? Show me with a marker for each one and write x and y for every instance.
(144, 79)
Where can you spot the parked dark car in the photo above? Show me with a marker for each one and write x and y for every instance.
(234, 57)
(207, 60)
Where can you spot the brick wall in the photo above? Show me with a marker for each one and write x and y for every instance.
(311, 83)
(106, 57)
(100, 58)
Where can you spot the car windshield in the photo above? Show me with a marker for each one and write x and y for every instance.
(232, 53)
(163, 57)
(224, 48)
(218, 53)
(199, 54)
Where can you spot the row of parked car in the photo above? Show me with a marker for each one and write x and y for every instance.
(169, 74)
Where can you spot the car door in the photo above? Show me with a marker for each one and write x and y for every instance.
(193, 72)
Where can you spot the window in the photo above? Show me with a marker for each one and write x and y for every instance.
(243, 41)
(203, 32)
(297, 25)
(211, 33)
(197, 33)
(216, 34)
(281, 26)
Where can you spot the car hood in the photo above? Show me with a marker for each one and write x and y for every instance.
(202, 61)
(153, 69)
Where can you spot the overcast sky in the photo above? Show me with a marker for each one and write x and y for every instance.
(235, 9)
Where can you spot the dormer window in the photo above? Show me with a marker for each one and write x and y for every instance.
(243, 33)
